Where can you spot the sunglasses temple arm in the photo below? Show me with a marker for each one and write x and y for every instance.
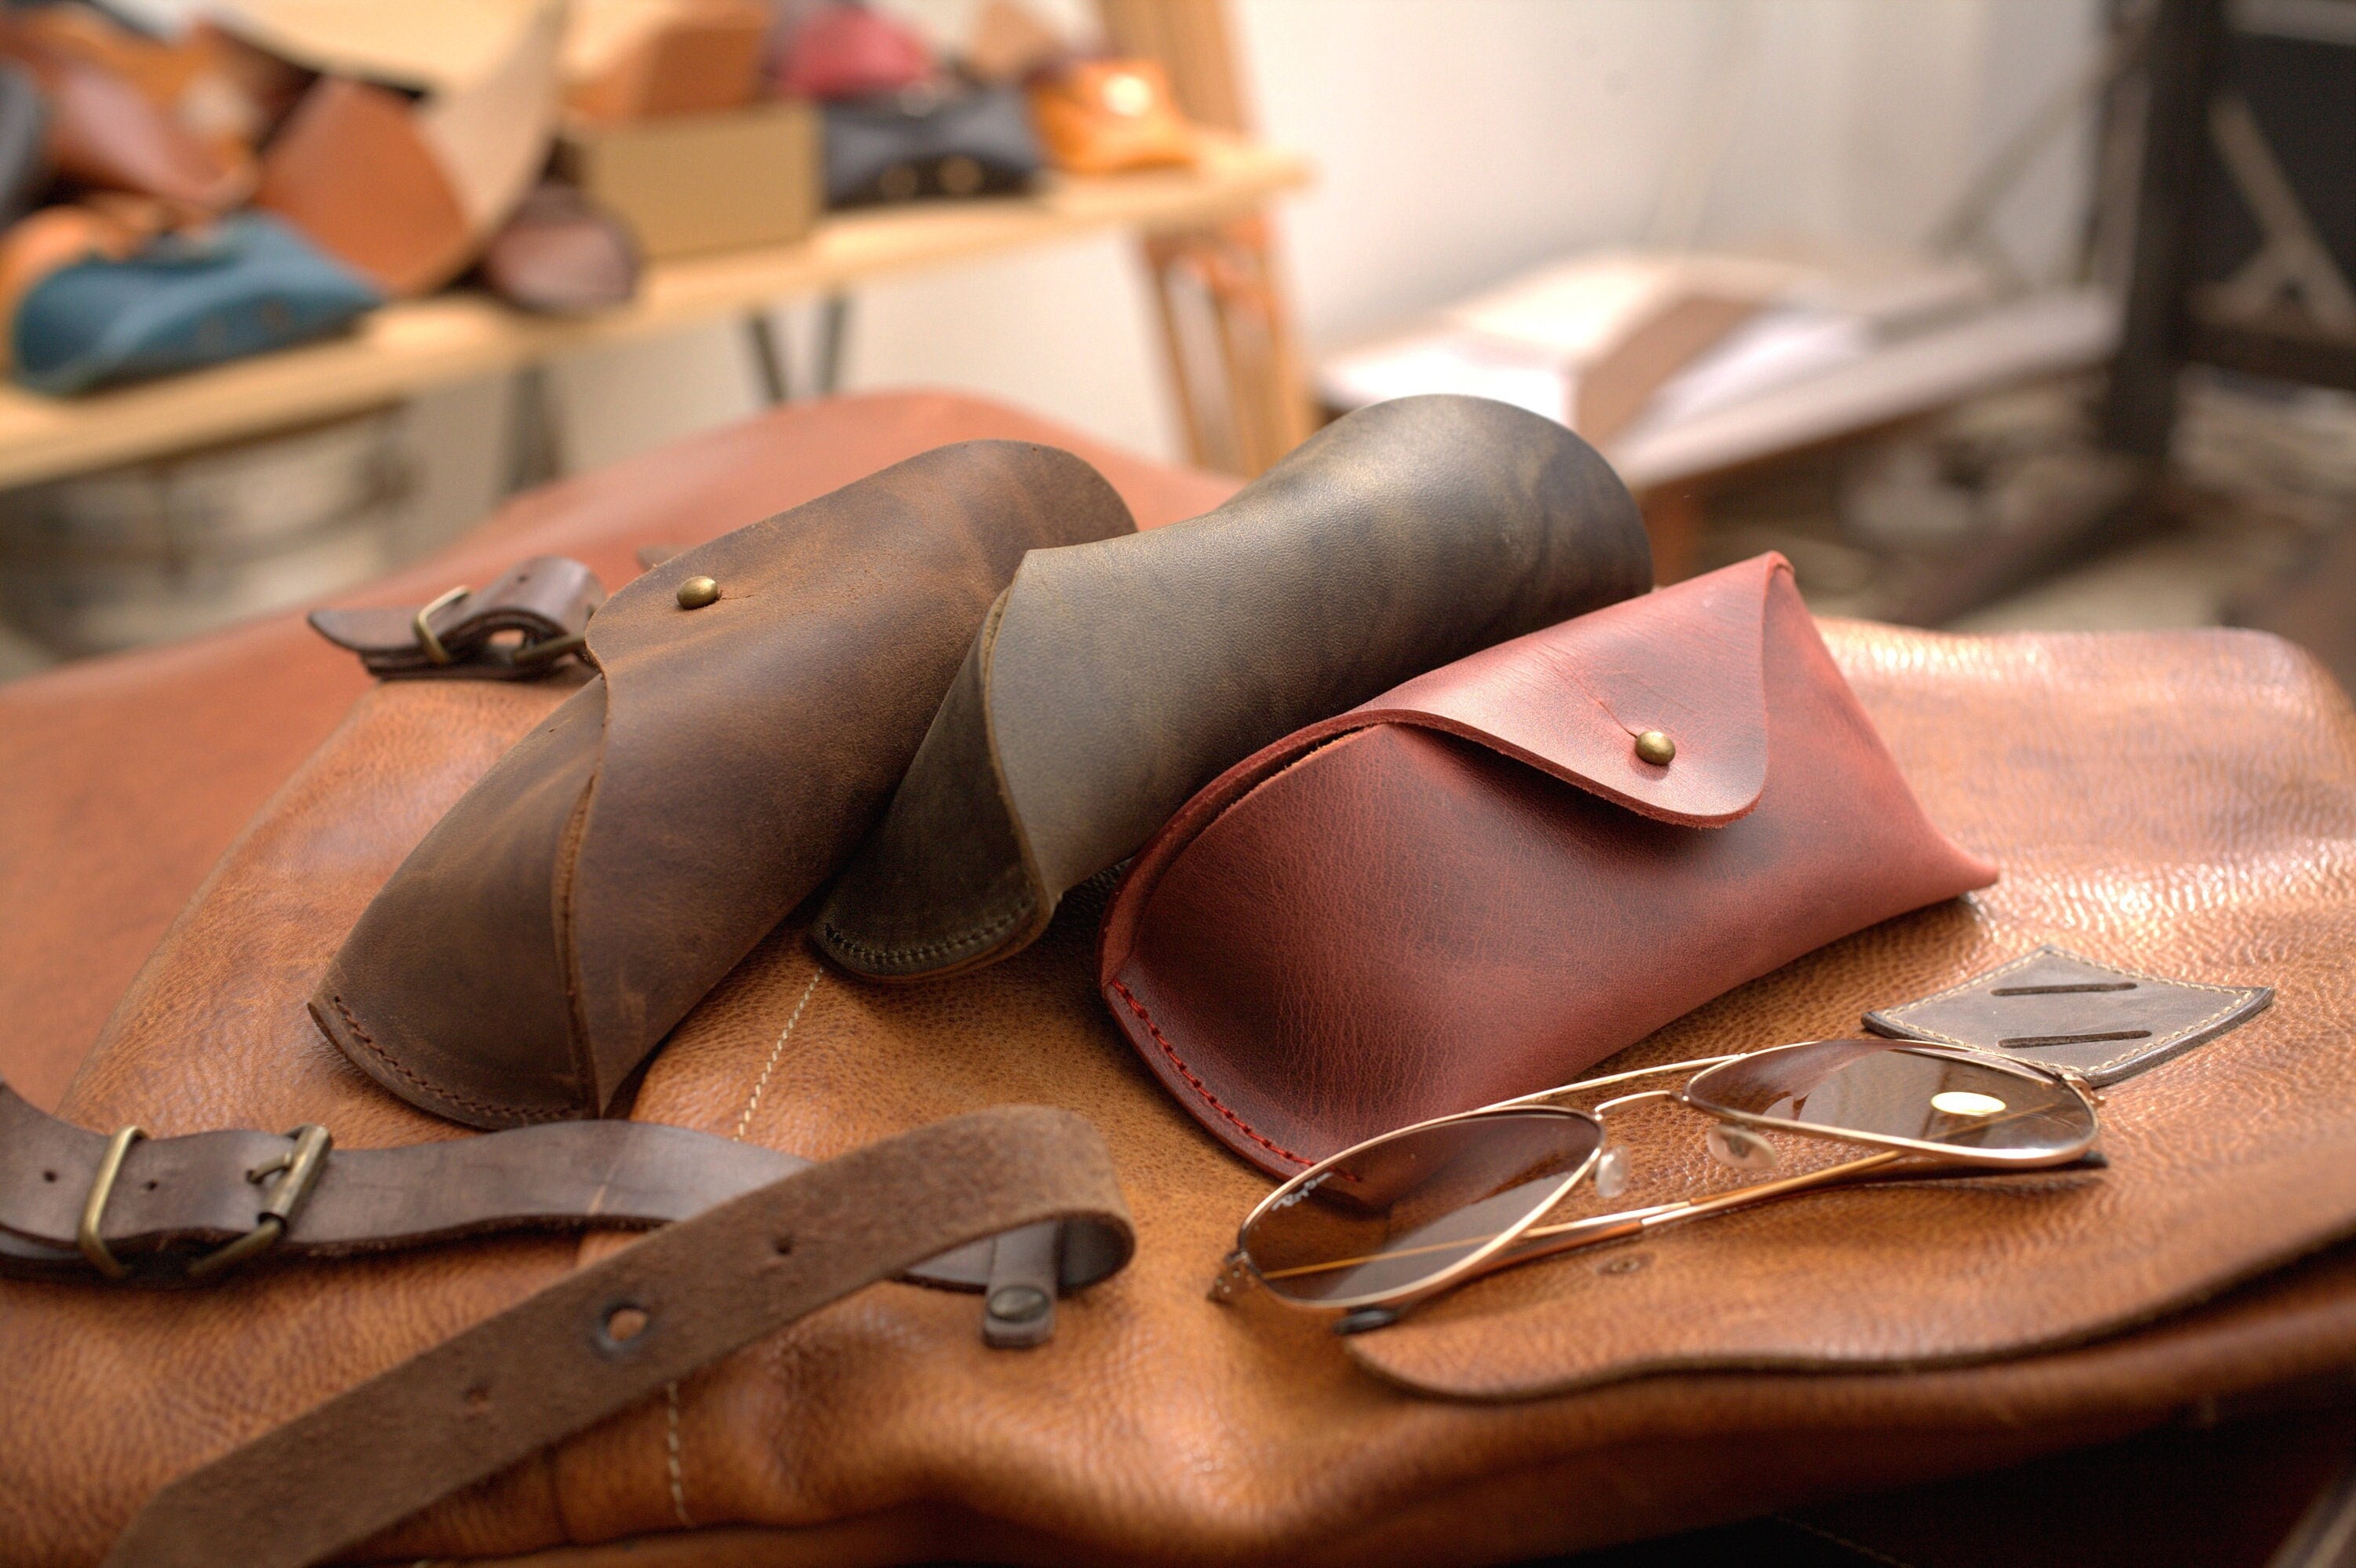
(1547, 1240)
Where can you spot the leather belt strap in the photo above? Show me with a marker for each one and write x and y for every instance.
(609, 1336)
(547, 601)
(169, 1203)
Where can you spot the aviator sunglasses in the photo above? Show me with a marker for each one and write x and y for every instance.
(1399, 1218)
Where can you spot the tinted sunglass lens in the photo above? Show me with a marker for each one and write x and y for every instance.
(1415, 1204)
(1893, 1091)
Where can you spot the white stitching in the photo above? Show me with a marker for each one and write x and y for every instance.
(2240, 994)
(776, 1051)
(1868, 1552)
(678, 1479)
(672, 1463)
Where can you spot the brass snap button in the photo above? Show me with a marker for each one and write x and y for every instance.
(1652, 746)
(1018, 1304)
(698, 591)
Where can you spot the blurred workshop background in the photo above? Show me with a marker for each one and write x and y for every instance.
(1987, 313)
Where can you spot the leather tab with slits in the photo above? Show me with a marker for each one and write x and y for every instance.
(2055, 1009)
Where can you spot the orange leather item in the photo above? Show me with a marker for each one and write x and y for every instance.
(349, 169)
(702, 58)
(105, 133)
(1101, 117)
(2183, 803)
(1474, 887)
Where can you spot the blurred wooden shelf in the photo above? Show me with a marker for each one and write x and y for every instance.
(406, 348)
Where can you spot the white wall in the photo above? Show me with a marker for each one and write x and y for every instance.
(1459, 140)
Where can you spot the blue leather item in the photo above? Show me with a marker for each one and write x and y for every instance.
(245, 285)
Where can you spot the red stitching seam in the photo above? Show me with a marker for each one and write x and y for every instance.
(1200, 1088)
(517, 1112)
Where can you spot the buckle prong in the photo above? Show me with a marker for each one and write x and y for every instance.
(549, 648)
(297, 1170)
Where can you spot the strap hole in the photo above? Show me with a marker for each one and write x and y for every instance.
(48, 1176)
(151, 1187)
(478, 1397)
(784, 1245)
(622, 1324)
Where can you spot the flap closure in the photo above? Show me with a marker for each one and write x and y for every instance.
(1686, 660)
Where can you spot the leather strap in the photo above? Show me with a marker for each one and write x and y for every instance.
(171, 1202)
(547, 599)
(601, 1341)
(1019, 1301)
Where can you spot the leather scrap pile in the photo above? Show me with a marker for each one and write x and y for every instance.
(279, 168)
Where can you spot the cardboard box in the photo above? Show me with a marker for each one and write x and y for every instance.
(704, 181)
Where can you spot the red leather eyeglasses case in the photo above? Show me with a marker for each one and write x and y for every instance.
(1473, 887)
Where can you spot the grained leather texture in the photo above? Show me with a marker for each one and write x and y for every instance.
(1113, 680)
(1473, 887)
(586, 893)
(96, 858)
(2180, 802)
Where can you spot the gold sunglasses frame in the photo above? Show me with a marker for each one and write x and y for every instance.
(1527, 1240)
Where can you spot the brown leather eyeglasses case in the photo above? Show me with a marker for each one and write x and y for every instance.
(592, 887)
(1477, 885)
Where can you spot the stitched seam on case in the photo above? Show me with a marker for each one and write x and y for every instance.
(836, 935)
(1198, 1085)
(776, 1051)
(429, 1086)
(678, 1479)
(2239, 995)
(1868, 1552)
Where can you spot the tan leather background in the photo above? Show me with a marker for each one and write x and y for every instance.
(2178, 802)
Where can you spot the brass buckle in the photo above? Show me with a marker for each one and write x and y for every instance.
(435, 653)
(300, 1166)
(297, 1170)
(93, 1207)
(548, 648)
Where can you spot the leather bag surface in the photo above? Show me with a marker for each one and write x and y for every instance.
(578, 901)
(1474, 886)
(2182, 803)
(1837, 1343)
